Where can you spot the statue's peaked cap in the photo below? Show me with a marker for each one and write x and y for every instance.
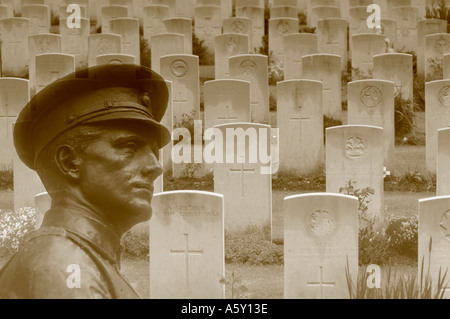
(108, 92)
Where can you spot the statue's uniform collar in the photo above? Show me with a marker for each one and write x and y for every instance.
(101, 236)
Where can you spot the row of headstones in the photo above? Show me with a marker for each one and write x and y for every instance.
(17, 52)
(182, 70)
(246, 100)
(320, 242)
(187, 257)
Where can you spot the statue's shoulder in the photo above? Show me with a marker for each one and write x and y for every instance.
(47, 266)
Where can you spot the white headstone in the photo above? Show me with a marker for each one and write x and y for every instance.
(181, 26)
(355, 153)
(326, 68)
(324, 12)
(426, 27)
(103, 43)
(128, 28)
(332, 38)
(434, 220)
(371, 102)
(247, 3)
(226, 101)
(165, 44)
(446, 71)
(52, 66)
(436, 45)
(257, 15)
(398, 68)
(115, 59)
(13, 98)
(389, 30)
(127, 3)
(184, 9)
(225, 46)
(183, 71)
(391, 4)
(278, 28)
(320, 242)
(300, 121)
(407, 18)
(75, 41)
(358, 3)
(172, 4)
(208, 24)
(10, 7)
(296, 46)
(14, 46)
(253, 68)
(41, 44)
(153, 16)
(364, 47)
(358, 20)
(243, 177)
(437, 116)
(241, 26)
(187, 246)
(4, 12)
(284, 12)
(443, 161)
(85, 3)
(111, 12)
(39, 16)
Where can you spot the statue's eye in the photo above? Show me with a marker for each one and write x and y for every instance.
(130, 147)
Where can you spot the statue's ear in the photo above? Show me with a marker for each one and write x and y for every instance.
(68, 161)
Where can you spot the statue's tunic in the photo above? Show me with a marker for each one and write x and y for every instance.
(47, 264)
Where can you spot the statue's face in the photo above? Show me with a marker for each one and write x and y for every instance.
(118, 170)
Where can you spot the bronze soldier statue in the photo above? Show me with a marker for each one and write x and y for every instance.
(93, 137)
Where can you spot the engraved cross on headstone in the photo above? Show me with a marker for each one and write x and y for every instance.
(321, 283)
(242, 171)
(186, 253)
(303, 117)
(227, 117)
(180, 101)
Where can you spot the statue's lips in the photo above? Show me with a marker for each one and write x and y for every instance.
(143, 186)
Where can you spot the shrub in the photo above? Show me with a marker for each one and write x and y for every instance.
(14, 227)
(251, 247)
(436, 65)
(264, 48)
(436, 10)
(54, 18)
(397, 285)
(373, 245)
(419, 94)
(302, 18)
(187, 122)
(136, 245)
(201, 51)
(272, 103)
(404, 119)
(7, 179)
(276, 71)
(145, 52)
(307, 30)
(402, 232)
